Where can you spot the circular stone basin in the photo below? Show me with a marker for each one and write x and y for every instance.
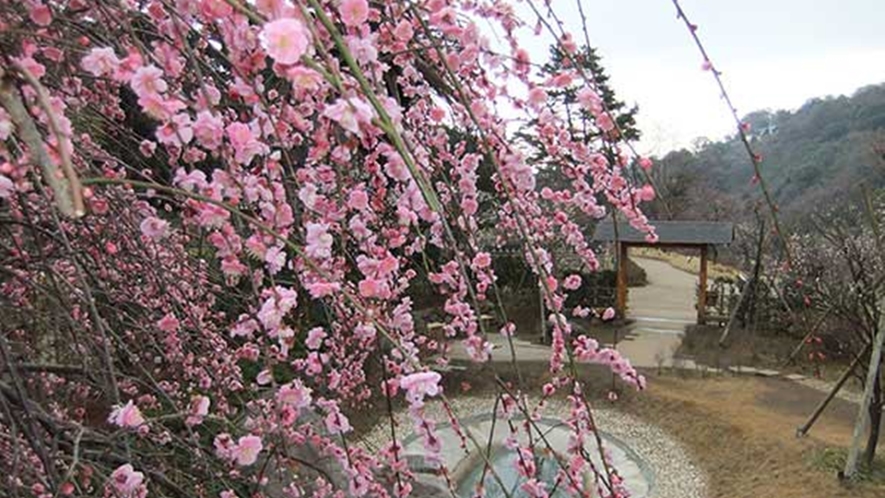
(467, 464)
(503, 462)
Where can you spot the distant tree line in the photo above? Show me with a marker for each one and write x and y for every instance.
(818, 153)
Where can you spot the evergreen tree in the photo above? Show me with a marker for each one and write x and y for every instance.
(566, 99)
(564, 102)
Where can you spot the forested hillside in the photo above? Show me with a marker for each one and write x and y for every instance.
(812, 157)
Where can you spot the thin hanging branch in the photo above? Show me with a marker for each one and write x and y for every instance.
(64, 184)
(755, 158)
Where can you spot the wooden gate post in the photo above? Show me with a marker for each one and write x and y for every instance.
(621, 302)
(702, 288)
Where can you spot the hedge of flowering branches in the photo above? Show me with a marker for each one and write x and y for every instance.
(213, 213)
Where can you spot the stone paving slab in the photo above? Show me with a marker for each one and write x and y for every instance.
(742, 369)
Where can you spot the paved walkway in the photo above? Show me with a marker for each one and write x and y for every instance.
(660, 311)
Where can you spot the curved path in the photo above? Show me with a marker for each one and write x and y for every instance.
(660, 311)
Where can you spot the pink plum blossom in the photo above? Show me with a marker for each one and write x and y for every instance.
(358, 200)
(159, 107)
(374, 288)
(199, 408)
(590, 100)
(7, 188)
(275, 139)
(246, 144)
(208, 130)
(318, 240)
(148, 81)
(100, 61)
(605, 122)
(193, 181)
(200, 405)
(608, 314)
(127, 415)
(215, 9)
(315, 338)
(322, 289)
(275, 258)
(294, 394)
(303, 78)
(40, 14)
(177, 131)
(154, 228)
(264, 377)
(169, 323)
(420, 384)
(646, 193)
(572, 282)
(482, 260)
(279, 302)
(403, 31)
(537, 96)
(350, 113)
(336, 422)
(354, 12)
(127, 483)
(285, 40)
(508, 329)
(534, 488)
(247, 449)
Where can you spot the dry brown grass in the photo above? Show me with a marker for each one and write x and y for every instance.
(742, 432)
(691, 264)
(760, 350)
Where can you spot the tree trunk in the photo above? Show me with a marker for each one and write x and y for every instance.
(875, 422)
(863, 413)
(750, 310)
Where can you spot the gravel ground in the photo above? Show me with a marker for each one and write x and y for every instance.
(674, 473)
(666, 464)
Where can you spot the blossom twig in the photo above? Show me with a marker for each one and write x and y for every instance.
(755, 158)
(64, 184)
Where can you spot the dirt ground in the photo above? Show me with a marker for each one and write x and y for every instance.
(741, 430)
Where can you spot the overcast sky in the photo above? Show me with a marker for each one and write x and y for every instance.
(773, 54)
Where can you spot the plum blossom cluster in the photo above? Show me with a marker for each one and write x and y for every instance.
(273, 190)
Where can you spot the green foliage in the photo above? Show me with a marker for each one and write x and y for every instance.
(597, 290)
(511, 269)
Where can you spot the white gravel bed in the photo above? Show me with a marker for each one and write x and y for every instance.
(666, 465)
